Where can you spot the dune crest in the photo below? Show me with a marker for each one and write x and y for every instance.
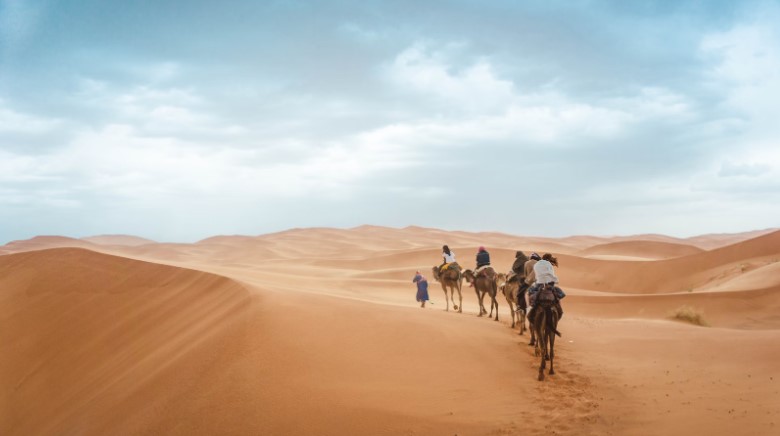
(91, 340)
(317, 331)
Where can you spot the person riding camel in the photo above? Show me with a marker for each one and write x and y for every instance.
(545, 287)
(483, 260)
(528, 273)
(517, 267)
(448, 256)
(518, 274)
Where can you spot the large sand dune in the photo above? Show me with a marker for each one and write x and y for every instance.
(642, 250)
(315, 331)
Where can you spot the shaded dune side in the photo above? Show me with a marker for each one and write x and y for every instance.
(672, 275)
(95, 342)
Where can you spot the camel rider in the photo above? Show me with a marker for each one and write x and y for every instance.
(519, 264)
(528, 269)
(545, 275)
(448, 256)
(483, 260)
(518, 267)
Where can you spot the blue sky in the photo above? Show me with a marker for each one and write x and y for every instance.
(181, 120)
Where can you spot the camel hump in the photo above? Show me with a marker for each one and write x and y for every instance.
(485, 271)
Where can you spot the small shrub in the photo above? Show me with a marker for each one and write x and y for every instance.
(690, 315)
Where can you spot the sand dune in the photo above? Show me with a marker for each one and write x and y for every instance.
(649, 250)
(95, 343)
(118, 240)
(685, 274)
(43, 242)
(316, 331)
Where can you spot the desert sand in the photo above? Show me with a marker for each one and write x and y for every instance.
(316, 331)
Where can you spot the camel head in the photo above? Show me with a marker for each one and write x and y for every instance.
(435, 271)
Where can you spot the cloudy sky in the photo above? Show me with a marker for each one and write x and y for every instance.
(178, 120)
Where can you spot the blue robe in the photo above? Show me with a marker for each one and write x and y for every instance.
(422, 287)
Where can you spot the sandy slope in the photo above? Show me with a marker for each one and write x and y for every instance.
(118, 240)
(646, 250)
(316, 331)
(95, 343)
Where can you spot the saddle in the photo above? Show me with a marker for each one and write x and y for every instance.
(484, 271)
(450, 266)
(546, 295)
(512, 277)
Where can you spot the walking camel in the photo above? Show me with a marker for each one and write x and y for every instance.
(451, 278)
(509, 289)
(484, 283)
(545, 324)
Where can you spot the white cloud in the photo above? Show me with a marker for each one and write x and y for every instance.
(16, 122)
(731, 169)
(481, 106)
(746, 72)
(473, 88)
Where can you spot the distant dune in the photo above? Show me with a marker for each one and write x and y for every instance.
(118, 240)
(43, 242)
(651, 250)
(316, 331)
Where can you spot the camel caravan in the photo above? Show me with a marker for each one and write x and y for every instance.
(530, 289)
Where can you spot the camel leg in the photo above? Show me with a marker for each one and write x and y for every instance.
(521, 320)
(460, 300)
(444, 288)
(511, 311)
(452, 297)
(480, 297)
(542, 339)
(552, 341)
(552, 353)
(541, 366)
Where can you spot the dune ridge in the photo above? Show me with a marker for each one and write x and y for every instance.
(89, 332)
(316, 331)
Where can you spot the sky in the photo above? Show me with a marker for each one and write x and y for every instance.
(179, 120)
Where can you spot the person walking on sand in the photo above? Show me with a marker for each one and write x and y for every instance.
(422, 288)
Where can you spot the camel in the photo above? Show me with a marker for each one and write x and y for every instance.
(484, 283)
(452, 278)
(509, 289)
(545, 325)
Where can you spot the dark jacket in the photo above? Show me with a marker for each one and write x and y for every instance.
(518, 266)
(483, 258)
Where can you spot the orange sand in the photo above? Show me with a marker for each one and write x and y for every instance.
(316, 331)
